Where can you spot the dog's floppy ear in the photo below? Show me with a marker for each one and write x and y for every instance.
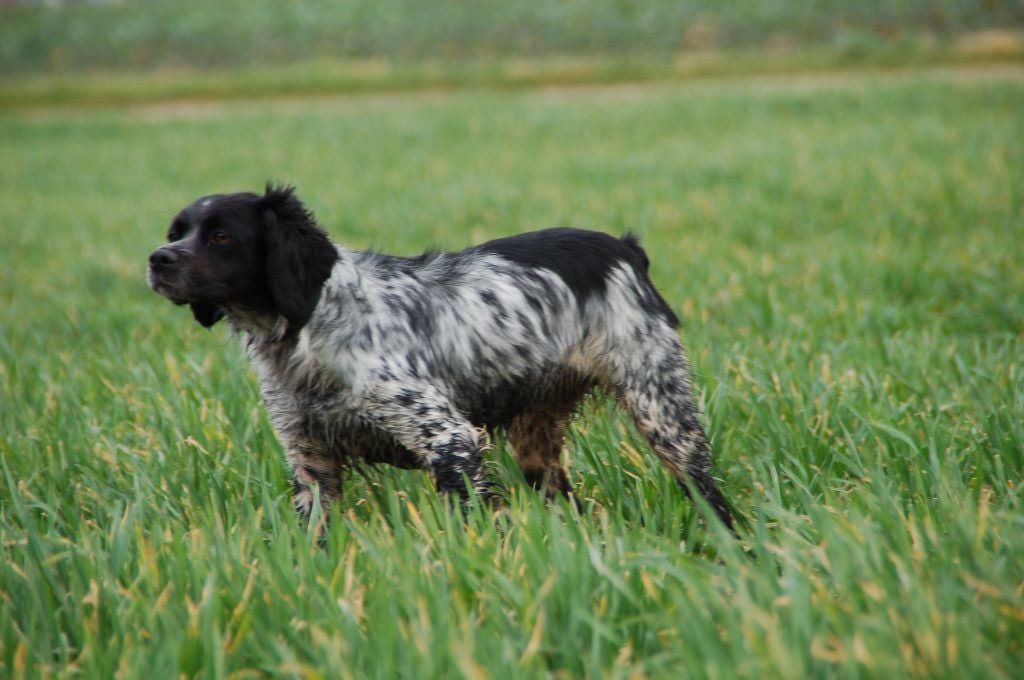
(300, 257)
(206, 314)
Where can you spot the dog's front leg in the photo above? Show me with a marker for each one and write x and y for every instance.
(422, 420)
(457, 462)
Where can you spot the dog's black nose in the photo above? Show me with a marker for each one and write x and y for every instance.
(163, 257)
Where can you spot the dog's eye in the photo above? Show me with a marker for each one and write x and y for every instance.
(220, 237)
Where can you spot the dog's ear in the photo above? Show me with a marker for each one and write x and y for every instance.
(300, 257)
(206, 314)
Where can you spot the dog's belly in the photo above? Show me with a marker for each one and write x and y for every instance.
(323, 422)
(496, 403)
(352, 443)
(369, 445)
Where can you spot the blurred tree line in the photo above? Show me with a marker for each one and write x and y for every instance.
(143, 34)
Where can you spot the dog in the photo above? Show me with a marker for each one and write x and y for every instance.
(370, 358)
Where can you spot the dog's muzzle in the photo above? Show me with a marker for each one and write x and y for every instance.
(163, 265)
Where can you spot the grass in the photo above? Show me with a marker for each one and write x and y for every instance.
(845, 256)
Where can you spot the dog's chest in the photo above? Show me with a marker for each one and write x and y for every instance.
(324, 422)
(316, 411)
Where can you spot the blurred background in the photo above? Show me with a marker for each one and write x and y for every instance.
(326, 45)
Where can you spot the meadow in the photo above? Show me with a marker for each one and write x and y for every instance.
(844, 252)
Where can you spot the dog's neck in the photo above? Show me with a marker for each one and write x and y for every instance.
(269, 333)
(259, 328)
(262, 324)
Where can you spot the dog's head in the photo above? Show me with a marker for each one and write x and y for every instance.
(259, 254)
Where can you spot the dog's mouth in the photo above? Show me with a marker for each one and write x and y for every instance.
(162, 287)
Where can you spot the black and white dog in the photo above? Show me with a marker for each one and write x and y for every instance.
(364, 357)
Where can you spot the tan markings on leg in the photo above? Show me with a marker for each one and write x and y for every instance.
(537, 438)
(311, 472)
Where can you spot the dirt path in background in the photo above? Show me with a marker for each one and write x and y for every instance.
(188, 109)
(799, 82)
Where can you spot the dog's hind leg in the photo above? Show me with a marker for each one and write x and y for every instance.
(313, 476)
(655, 389)
(537, 438)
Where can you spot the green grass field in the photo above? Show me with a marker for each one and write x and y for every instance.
(845, 253)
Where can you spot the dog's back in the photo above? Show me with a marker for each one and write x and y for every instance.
(508, 323)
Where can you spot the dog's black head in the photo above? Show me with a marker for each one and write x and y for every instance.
(261, 254)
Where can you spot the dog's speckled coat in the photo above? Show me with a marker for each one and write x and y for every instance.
(364, 357)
